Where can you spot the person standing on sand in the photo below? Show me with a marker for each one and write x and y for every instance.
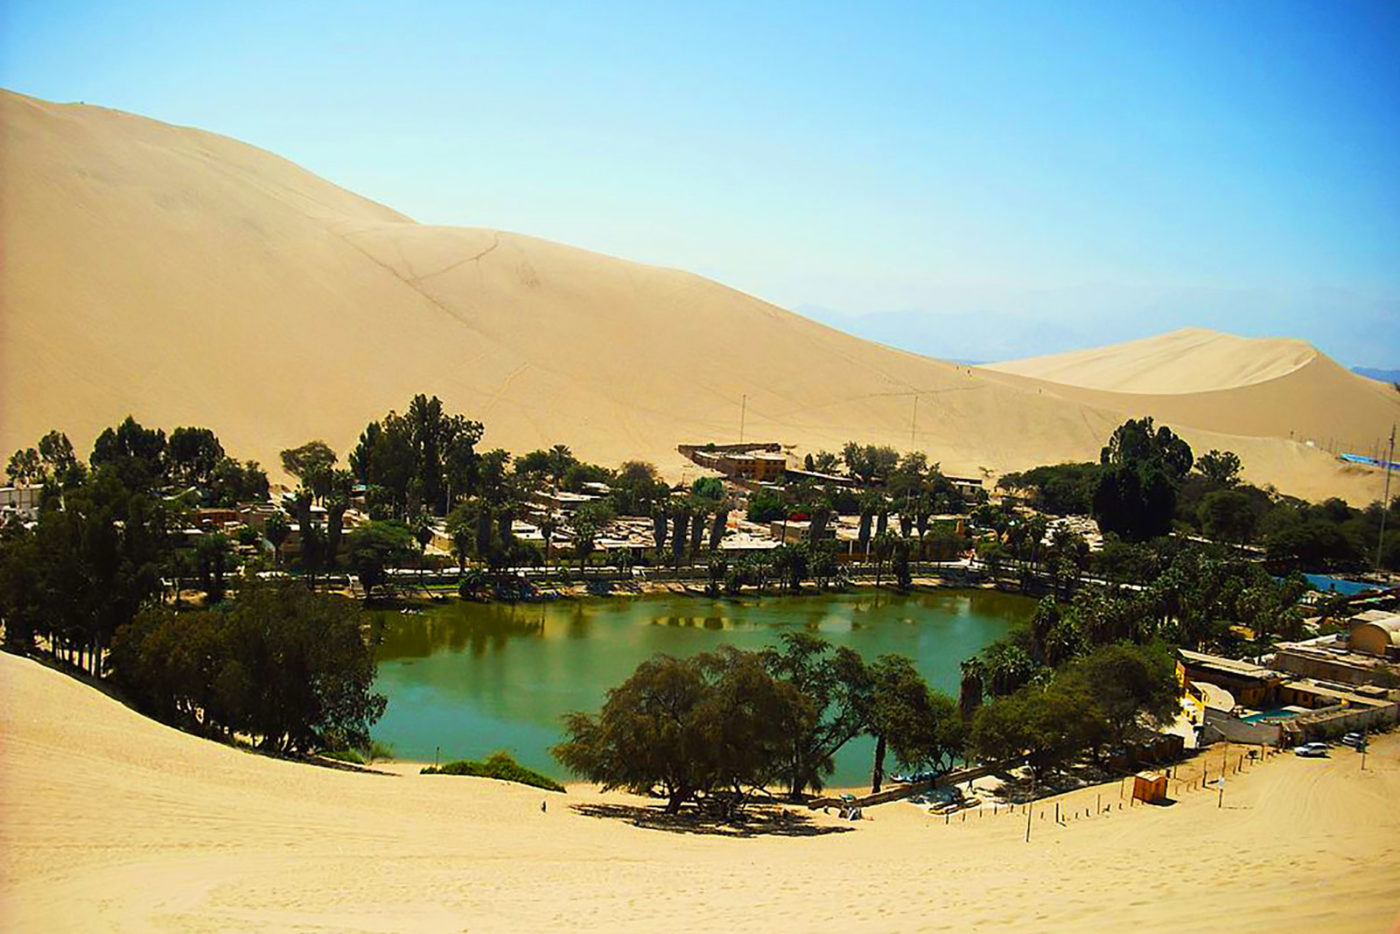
(544, 805)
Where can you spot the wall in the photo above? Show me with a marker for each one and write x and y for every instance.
(1326, 723)
(1323, 669)
(1220, 725)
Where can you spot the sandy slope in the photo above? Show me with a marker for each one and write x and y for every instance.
(112, 822)
(1184, 361)
(1221, 383)
(191, 279)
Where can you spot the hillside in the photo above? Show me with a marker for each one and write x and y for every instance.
(1190, 360)
(187, 278)
(1221, 383)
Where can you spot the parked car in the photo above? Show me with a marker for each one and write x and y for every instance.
(1311, 750)
(1354, 740)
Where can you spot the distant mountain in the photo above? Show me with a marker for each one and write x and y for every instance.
(1385, 376)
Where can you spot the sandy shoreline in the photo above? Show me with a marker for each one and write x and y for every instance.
(114, 822)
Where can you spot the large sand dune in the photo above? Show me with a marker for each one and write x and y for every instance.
(1185, 361)
(191, 279)
(111, 822)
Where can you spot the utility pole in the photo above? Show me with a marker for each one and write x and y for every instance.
(913, 422)
(1385, 500)
(743, 410)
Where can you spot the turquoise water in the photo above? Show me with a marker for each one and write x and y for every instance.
(472, 678)
(1269, 715)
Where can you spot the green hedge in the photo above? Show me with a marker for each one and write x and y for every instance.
(497, 765)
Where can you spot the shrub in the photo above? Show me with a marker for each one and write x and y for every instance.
(498, 765)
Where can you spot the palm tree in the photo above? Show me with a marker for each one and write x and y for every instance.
(548, 526)
(461, 529)
(884, 547)
(277, 531)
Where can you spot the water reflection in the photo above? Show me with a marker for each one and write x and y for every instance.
(473, 678)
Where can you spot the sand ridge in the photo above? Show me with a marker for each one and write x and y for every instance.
(1187, 360)
(188, 278)
(110, 821)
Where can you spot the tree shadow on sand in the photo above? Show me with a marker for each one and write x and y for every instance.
(757, 821)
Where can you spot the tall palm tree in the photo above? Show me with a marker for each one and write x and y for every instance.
(548, 526)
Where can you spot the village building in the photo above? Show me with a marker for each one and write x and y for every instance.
(761, 463)
(1369, 653)
(21, 501)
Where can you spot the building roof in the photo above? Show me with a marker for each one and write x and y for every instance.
(1334, 692)
(1231, 666)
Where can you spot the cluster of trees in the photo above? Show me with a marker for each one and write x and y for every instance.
(85, 583)
(91, 561)
(142, 459)
(716, 726)
(1058, 489)
(908, 486)
(1148, 484)
(1085, 704)
(281, 665)
(1140, 471)
(104, 541)
(422, 460)
(1295, 534)
(1197, 596)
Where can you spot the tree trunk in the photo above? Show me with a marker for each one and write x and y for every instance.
(877, 774)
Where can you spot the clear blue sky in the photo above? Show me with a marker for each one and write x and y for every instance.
(984, 179)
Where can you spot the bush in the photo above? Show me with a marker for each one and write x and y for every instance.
(498, 765)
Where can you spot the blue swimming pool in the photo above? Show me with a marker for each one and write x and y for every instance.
(1264, 715)
(1346, 588)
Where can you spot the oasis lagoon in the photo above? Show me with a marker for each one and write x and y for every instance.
(472, 678)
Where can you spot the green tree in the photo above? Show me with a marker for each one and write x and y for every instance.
(689, 729)
(311, 463)
(904, 716)
(766, 506)
(371, 549)
(1130, 685)
(215, 556)
(193, 453)
(1142, 468)
(135, 454)
(1228, 516)
(1221, 467)
(25, 467)
(837, 684)
(277, 531)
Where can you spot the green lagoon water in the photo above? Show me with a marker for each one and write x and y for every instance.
(473, 678)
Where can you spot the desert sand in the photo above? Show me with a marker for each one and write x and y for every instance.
(109, 821)
(1154, 365)
(187, 278)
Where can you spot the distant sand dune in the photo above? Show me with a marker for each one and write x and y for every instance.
(1190, 360)
(187, 278)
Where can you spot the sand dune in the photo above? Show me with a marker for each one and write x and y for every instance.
(109, 821)
(1305, 397)
(1186, 361)
(188, 278)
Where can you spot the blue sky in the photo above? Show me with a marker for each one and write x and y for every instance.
(972, 180)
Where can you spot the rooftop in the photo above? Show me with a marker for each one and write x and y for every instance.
(1237, 667)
